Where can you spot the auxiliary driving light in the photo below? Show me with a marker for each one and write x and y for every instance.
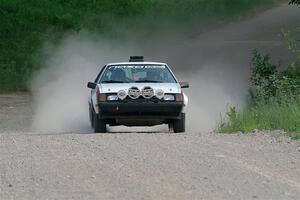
(159, 94)
(122, 94)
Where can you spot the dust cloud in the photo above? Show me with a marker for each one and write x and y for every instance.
(209, 98)
(216, 63)
(60, 93)
(59, 90)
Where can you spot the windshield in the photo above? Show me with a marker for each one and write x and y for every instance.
(137, 74)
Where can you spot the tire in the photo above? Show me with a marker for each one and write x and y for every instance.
(99, 124)
(170, 126)
(91, 117)
(179, 124)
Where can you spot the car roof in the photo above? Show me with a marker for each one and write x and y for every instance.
(136, 63)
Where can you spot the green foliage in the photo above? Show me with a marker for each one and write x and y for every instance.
(269, 85)
(263, 73)
(295, 136)
(261, 68)
(293, 44)
(26, 24)
(297, 2)
(272, 116)
(274, 97)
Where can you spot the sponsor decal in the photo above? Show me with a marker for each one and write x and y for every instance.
(137, 67)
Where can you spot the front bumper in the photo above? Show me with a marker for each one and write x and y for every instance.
(140, 110)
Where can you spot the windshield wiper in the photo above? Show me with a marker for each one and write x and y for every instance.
(113, 81)
(148, 81)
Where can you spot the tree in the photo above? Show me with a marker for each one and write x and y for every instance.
(297, 2)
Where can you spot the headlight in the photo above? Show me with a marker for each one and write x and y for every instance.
(112, 97)
(169, 97)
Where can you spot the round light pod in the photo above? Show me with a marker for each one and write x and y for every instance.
(159, 93)
(134, 93)
(147, 92)
(122, 94)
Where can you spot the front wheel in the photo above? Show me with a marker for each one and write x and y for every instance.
(179, 124)
(91, 116)
(99, 124)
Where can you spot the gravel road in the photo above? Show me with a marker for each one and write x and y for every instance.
(147, 165)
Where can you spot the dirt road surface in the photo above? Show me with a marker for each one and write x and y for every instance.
(147, 165)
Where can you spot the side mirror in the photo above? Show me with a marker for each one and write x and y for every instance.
(184, 84)
(91, 85)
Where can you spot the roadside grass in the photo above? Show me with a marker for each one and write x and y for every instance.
(272, 116)
(26, 25)
(295, 136)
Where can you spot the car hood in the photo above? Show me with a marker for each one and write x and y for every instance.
(173, 88)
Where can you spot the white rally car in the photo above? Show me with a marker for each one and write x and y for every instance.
(137, 93)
